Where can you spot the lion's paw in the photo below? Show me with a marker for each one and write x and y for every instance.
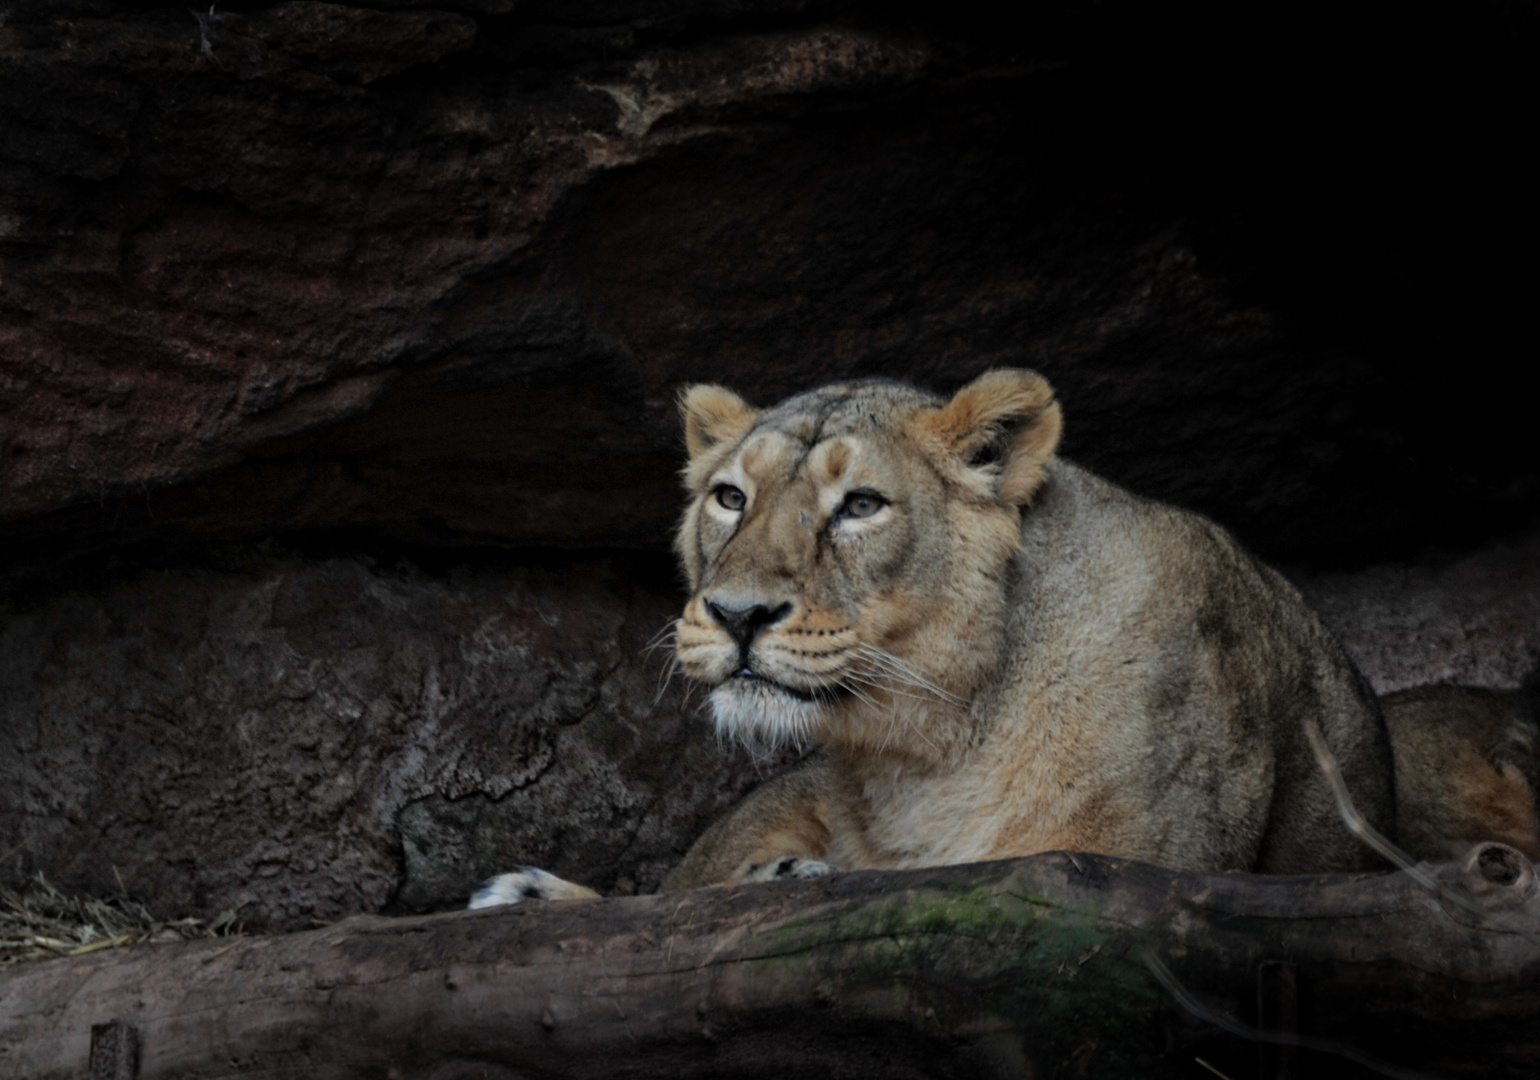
(791, 866)
(527, 883)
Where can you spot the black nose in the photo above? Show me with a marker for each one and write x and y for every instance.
(745, 623)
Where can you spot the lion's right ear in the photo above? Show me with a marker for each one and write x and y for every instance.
(713, 414)
(1005, 425)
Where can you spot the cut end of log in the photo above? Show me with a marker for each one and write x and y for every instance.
(1497, 875)
(114, 1051)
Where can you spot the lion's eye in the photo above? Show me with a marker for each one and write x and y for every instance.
(730, 498)
(860, 504)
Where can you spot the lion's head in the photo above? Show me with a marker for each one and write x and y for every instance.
(847, 552)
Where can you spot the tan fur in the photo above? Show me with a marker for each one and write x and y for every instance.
(789, 815)
(1465, 766)
(1010, 656)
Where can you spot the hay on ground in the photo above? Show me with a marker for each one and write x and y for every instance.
(43, 922)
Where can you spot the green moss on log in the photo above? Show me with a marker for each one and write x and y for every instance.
(972, 961)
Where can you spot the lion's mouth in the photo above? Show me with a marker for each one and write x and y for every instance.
(750, 705)
(823, 695)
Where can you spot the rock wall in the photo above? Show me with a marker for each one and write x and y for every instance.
(1472, 619)
(303, 736)
(438, 272)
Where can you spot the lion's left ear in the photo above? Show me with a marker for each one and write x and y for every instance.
(1005, 419)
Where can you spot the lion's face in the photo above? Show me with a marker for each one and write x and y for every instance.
(846, 549)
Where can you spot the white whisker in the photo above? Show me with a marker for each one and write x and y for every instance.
(875, 680)
(901, 671)
(866, 698)
(906, 719)
(664, 638)
(666, 679)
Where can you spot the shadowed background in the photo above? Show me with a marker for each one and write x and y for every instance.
(339, 342)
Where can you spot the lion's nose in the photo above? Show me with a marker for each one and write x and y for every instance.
(746, 623)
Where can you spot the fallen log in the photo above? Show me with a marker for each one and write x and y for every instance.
(1052, 965)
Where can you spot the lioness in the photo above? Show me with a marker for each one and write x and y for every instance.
(999, 652)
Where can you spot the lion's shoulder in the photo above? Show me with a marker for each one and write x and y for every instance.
(1090, 539)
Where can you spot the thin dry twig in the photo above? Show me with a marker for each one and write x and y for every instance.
(1359, 826)
(1210, 1068)
(1190, 1001)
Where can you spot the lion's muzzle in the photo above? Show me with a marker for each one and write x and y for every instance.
(744, 624)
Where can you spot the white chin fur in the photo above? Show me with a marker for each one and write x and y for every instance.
(760, 712)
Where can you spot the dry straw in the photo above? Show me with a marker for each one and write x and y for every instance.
(43, 922)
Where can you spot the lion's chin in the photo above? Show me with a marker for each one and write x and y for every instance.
(759, 711)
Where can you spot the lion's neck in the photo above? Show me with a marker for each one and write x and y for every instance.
(916, 774)
(897, 728)
(917, 702)
(993, 779)
(893, 810)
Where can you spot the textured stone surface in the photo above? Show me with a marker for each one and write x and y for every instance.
(439, 273)
(309, 737)
(309, 734)
(1472, 619)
